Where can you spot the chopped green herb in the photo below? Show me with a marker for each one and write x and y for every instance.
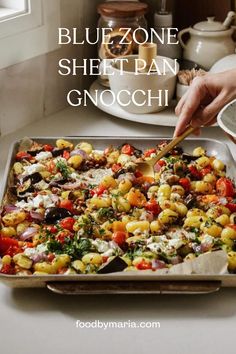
(63, 168)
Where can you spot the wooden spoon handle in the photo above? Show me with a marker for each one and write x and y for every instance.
(174, 143)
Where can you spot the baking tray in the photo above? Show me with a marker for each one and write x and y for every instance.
(138, 283)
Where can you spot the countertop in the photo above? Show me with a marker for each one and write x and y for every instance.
(37, 321)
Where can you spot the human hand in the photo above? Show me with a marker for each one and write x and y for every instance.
(206, 96)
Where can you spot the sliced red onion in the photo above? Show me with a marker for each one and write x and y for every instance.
(129, 176)
(197, 248)
(157, 264)
(36, 216)
(71, 186)
(147, 215)
(39, 257)
(28, 233)
(9, 208)
(157, 167)
(82, 153)
(206, 246)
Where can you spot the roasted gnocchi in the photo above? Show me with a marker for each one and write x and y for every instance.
(79, 210)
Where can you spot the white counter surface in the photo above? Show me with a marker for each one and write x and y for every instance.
(36, 321)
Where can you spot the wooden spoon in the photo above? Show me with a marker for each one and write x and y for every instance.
(147, 167)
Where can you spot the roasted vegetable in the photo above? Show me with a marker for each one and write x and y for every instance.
(117, 264)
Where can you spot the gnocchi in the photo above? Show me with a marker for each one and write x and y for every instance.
(80, 210)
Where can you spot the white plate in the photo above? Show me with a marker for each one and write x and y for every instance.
(227, 118)
(166, 118)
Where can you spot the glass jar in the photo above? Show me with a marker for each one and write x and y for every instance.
(117, 15)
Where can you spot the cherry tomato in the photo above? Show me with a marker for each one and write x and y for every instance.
(47, 147)
(232, 226)
(116, 167)
(28, 244)
(149, 152)
(51, 166)
(62, 270)
(23, 155)
(67, 204)
(5, 243)
(127, 149)
(185, 183)
(66, 154)
(224, 187)
(104, 259)
(231, 207)
(63, 235)
(50, 257)
(52, 229)
(138, 174)
(206, 170)
(13, 250)
(144, 265)
(194, 172)
(98, 191)
(119, 237)
(67, 223)
(7, 269)
(159, 165)
(153, 207)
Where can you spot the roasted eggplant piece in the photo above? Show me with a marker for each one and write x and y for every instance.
(58, 182)
(34, 152)
(176, 151)
(34, 178)
(24, 188)
(52, 215)
(58, 152)
(117, 264)
(183, 251)
(188, 158)
(190, 201)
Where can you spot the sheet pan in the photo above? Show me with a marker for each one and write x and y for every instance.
(143, 282)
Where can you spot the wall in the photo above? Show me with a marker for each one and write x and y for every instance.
(33, 89)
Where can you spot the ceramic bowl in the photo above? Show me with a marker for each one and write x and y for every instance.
(132, 82)
(227, 118)
(181, 90)
(226, 63)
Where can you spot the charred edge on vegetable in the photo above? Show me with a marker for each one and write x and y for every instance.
(117, 264)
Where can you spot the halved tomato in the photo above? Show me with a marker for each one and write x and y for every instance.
(225, 187)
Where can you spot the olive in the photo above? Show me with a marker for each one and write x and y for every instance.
(54, 214)
(117, 264)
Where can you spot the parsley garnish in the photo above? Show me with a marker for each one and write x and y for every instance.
(63, 168)
(106, 212)
(74, 248)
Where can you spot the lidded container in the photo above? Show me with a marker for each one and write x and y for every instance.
(117, 15)
(209, 41)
